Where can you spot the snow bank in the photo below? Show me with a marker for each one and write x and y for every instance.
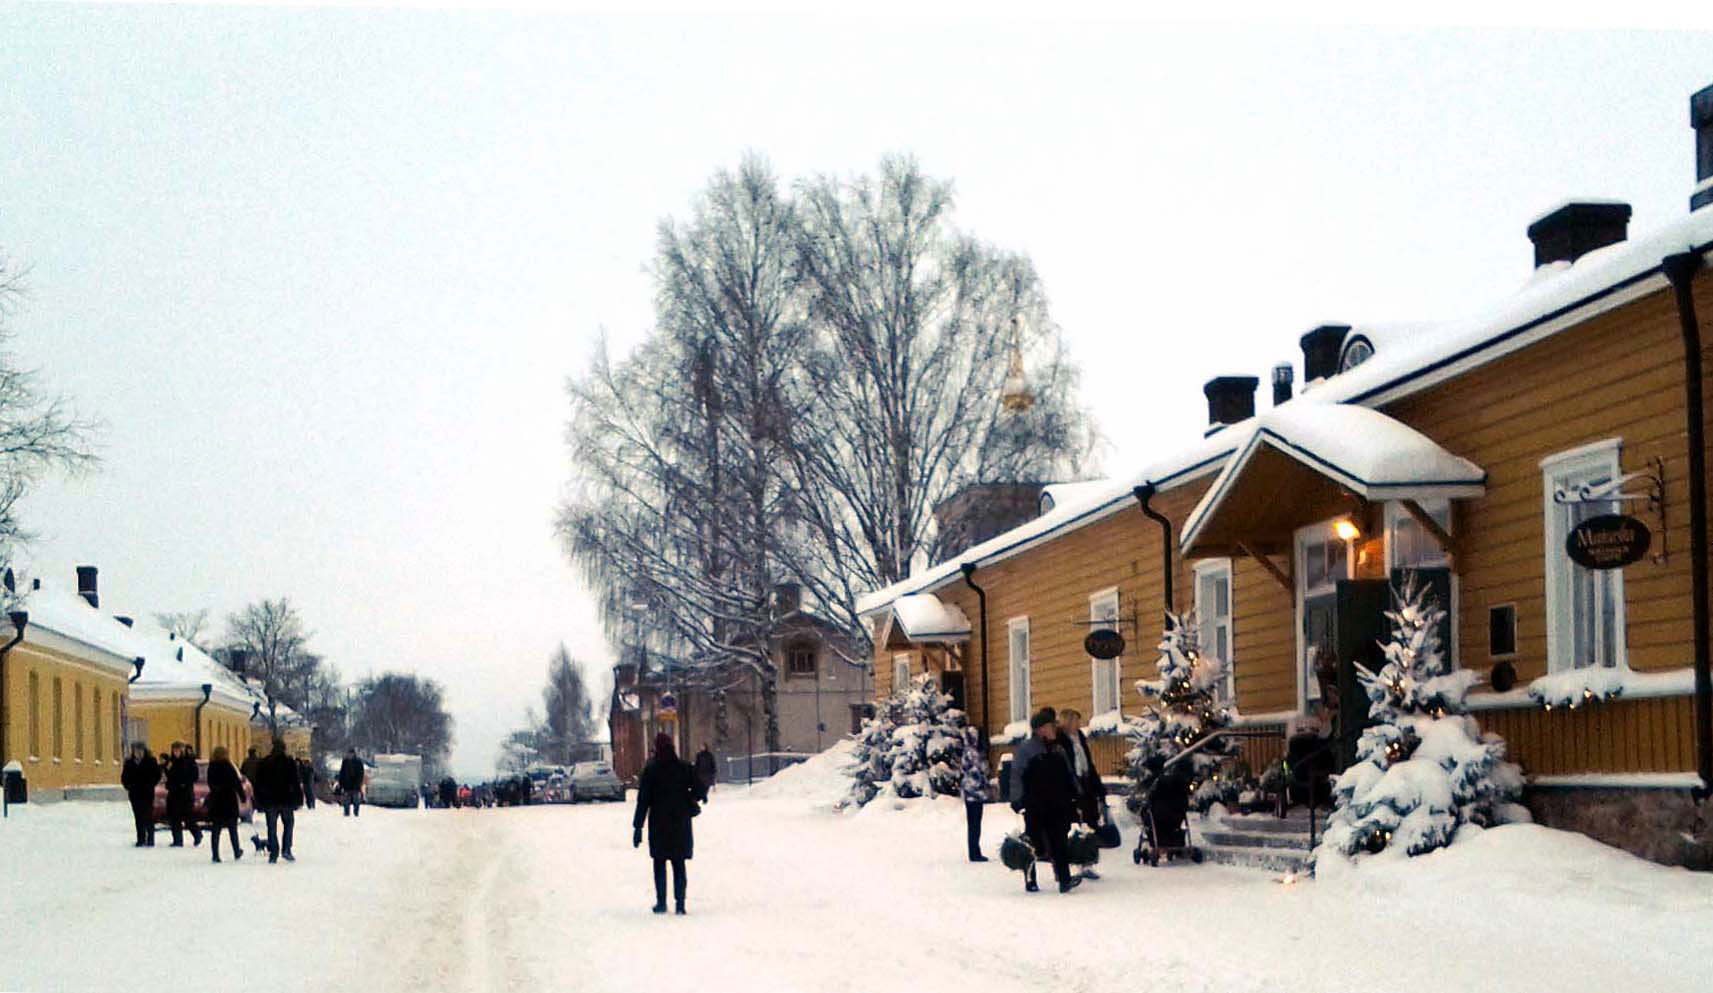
(821, 780)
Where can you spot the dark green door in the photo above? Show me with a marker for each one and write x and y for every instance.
(1360, 628)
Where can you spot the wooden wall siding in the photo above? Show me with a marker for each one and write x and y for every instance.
(1615, 736)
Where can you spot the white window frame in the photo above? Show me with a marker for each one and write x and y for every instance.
(1307, 688)
(1103, 610)
(1599, 456)
(900, 671)
(1017, 669)
(1395, 512)
(1206, 568)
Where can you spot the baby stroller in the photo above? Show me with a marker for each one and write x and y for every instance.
(1165, 826)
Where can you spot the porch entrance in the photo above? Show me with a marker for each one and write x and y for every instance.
(1359, 629)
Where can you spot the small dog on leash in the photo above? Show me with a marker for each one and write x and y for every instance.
(256, 839)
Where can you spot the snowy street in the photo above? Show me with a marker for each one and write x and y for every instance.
(787, 895)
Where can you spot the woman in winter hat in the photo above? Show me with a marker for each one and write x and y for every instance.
(668, 794)
(976, 788)
(225, 797)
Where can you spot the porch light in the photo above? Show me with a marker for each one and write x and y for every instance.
(1346, 529)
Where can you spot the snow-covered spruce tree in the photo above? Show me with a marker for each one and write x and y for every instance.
(1425, 767)
(1182, 710)
(927, 744)
(870, 768)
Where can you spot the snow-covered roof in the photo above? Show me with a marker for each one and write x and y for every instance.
(175, 669)
(1363, 450)
(923, 617)
(1552, 299)
(1059, 494)
(69, 615)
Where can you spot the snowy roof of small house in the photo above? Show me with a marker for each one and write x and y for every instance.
(69, 615)
(1057, 494)
(923, 617)
(175, 669)
(1552, 299)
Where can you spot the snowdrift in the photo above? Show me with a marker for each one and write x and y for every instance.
(821, 780)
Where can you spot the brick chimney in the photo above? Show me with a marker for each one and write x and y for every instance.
(1229, 399)
(1569, 232)
(86, 585)
(1321, 348)
(1282, 375)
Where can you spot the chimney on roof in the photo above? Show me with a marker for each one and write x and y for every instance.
(787, 598)
(1701, 119)
(1321, 348)
(1229, 399)
(122, 619)
(1577, 228)
(86, 586)
(1282, 375)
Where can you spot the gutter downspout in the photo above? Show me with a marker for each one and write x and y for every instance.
(1681, 269)
(968, 569)
(207, 691)
(20, 620)
(1143, 494)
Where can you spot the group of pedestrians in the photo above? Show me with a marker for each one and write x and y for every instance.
(279, 783)
(1054, 784)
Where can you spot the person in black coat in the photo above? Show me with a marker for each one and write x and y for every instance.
(707, 771)
(667, 796)
(140, 777)
(351, 778)
(182, 776)
(279, 792)
(306, 775)
(448, 792)
(248, 768)
(225, 800)
(1048, 796)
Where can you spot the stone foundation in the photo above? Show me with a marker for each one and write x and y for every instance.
(1661, 825)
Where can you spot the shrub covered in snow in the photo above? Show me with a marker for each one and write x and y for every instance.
(1424, 767)
(912, 747)
(1182, 710)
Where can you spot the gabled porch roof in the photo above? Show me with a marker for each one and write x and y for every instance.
(922, 618)
(1306, 462)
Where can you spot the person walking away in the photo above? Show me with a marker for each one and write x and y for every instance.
(306, 774)
(1091, 795)
(248, 769)
(279, 793)
(707, 771)
(667, 796)
(181, 795)
(448, 792)
(140, 777)
(976, 788)
(351, 783)
(1044, 791)
(225, 798)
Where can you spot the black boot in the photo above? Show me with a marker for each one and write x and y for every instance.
(660, 906)
(680, 909)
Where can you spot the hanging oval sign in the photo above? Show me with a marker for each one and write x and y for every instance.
(1610, 541)
(1104, 643)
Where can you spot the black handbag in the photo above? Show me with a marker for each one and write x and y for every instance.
(1106, 835)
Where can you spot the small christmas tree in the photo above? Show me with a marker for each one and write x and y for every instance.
(1183, 710)
(869, 767)
(1424, 768)
(927, 743)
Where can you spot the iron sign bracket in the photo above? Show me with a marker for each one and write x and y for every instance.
(1611, 491)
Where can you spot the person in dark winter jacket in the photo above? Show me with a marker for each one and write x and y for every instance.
(667, 796)
(279, 793)
(182, 775)
(1091, 792)
(1045, 792)
(976, 789)
(306, 775)
(707, 770)
(140, 777)
(448, 792)
(248, 768)
(351, 777)
(225, 798)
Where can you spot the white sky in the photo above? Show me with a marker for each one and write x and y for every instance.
(322, 273)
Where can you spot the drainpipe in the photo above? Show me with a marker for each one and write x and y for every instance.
(207, 691)
(1143, 494)
(981, 597)
(20, 619)
(137, 664)
(1681, 269)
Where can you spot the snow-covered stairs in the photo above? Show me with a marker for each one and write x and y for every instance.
(1259, 841)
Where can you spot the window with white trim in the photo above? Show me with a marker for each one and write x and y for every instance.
(1018, 629)
(1584, 607)
(1323, 559)
(1104, 673)
(1213, 615)
(900, 672)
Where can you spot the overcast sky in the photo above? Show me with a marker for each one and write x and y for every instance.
(322, 273)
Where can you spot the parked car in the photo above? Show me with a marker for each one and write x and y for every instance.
(199, 803)
(595, 781)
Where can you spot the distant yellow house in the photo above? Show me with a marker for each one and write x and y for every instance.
(182, 694)
(63, 690)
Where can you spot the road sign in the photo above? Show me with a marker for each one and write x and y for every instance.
(668, 705)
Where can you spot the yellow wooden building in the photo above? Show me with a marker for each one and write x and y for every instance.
(63, 690)
(182, 694)
(1469, 454)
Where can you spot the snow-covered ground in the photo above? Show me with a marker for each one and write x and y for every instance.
(785, 894)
